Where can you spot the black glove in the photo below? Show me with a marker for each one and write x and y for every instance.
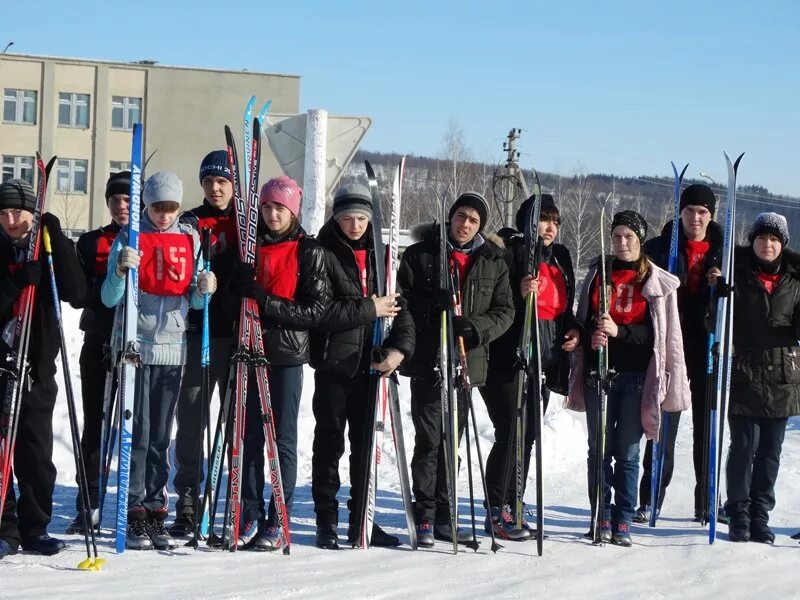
(28, 273)
(441, 300)
(53, 225)
(463, 328)
(243, 283)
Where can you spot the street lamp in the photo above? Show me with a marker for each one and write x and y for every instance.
(8, 45)
(707, 176)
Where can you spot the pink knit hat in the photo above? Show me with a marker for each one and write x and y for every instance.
(282, 190)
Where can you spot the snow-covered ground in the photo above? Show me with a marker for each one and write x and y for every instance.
(672, 561)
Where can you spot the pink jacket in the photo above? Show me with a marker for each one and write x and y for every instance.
(666, 384)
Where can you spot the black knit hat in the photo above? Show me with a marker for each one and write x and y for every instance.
(216, 163)
(472, 200)
(118, 183)
(16, 193)
(633, 220)
(352, 198)
(548, 204)
(698, 194)
(772, 223)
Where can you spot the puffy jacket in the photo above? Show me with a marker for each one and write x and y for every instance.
(765, 381)
(71, 284)
(666, 384)
(487, 301)
(161, 326)
(343, 340)
(286, 322)
(692, 308)
(503, 352)
(97, 319)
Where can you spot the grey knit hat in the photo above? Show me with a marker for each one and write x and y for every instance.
(163, 186)
(770, 222)
(352, 198)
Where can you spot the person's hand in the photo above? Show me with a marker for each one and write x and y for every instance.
(53, 225)
(128, 258)
(386, 306)
(28, 273)
(528, 285)
(463, 328)
(243, 283)
(712, 275)
(206, 282)
(571, 340)
(599, 340)
(386, 360)
(606, 324)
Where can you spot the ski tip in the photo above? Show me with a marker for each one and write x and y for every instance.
(738, 160)
(370, 170)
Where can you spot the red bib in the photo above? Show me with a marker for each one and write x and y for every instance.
(626, 305)
(551, 299)
(223, 232)
(462, 262)
(770, 282)
(695, 261)
(278, 267)
(167, 263)
(361, 263)
(104, 243)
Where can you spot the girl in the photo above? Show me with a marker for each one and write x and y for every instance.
(641, 333)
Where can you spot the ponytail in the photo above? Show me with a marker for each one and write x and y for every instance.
(642, 268)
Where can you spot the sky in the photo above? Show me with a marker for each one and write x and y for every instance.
(619, 87)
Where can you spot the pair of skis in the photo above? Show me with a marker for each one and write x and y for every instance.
(383, 392)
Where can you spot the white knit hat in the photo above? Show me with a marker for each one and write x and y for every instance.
(163, 186)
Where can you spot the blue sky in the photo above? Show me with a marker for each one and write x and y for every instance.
(615, 87)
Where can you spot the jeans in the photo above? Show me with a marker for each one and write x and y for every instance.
(623, 434)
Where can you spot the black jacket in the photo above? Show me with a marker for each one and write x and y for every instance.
(71, 287)
(692, 308)
(487, 301)
(223, 308)
(765, 381)
(97, 320)
(286, 322)
(503, 355)
(342, 342)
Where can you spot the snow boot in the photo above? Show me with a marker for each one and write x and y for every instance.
(327, 537)
(622, 535)
(739, 528)
(158, 532)
(183, 525)
(761, 533)
(425, 537)
(138, 537)
(43, 544)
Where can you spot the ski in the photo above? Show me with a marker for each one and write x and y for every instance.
(722, 350)
(659, 444)
(17, 363)
(129, 357)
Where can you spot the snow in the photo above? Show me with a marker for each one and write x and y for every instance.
(673, 560)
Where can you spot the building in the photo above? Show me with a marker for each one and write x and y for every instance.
(83, 112)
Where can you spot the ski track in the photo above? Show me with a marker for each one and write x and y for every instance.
(674, 560)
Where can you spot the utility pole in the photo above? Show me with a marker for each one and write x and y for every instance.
(508, 182)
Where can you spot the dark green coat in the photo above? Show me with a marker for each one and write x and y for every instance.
(487, 301)
(765, 381)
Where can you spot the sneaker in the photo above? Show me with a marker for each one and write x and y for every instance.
(43, 544)
(425, 537)
(761, 533)
(138, 537)
(76, 526)
(443, 532)
(504, 526)
(268, 540)
(641, 516)
(248, 530)
(622, 535)
(158, 533)
(183, 526)
(327, 537)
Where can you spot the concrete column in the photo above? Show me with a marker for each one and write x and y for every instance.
(313, 209)
(98, 215)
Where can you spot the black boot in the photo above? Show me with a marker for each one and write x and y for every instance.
(327, 538)
(43, 544)
(381, 539)
(182, 526)
(761, 533)
(739, 528)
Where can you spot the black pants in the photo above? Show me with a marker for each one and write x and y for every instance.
(428, 470)
(500, 396)
(190, 412)
(338, 401)
(754, 458)
(667, 468)
(94, 367)
(29, 514)
(697, 384)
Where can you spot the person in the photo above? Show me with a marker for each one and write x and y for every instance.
(341, 354)
(488, 309)
(697, 267)
(97, 321)
(170, 282)
(560, 334)
(26, 517)
(765, 376)
(216, 214)
(291, 288)
(641, 334)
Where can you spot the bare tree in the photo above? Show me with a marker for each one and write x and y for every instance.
(70, 210)
(455, 156)
(580, 230)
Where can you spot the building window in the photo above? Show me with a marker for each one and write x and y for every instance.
(125, 112)
(73, 110)
(72, 176)
(118, 165)
(18, 167)
(19, 106)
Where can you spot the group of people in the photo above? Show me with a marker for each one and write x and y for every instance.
(317, 301)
